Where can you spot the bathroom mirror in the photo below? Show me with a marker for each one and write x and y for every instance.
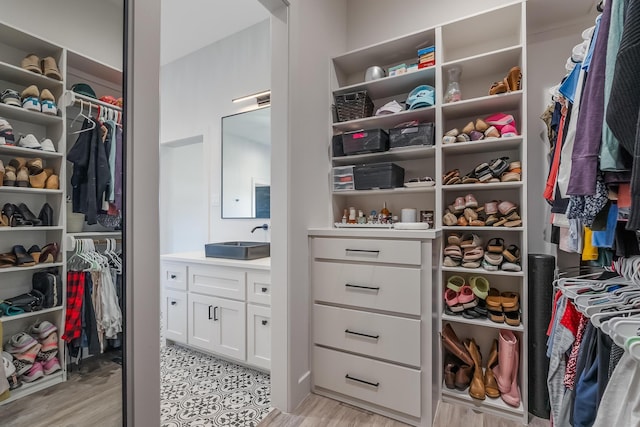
(246, 164)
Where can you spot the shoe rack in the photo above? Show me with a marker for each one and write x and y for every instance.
(16, 45)
(486, 46)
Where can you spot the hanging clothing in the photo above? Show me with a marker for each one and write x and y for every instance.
(73, 315)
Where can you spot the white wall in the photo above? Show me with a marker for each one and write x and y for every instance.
(196, 92)
(92, 28)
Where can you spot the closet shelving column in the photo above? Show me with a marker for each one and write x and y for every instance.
(486, 51)
(14, 281)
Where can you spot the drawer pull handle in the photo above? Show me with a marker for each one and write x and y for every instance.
(264, 323)
(375, 337)
(369, 288)
(215, 313)
(264, 290)
(210, 312)
(362, 252)
(349, 377)
(173, 276)
(174, 302)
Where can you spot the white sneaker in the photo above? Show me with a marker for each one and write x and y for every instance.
(31, 103)
(47, 145)
(29, 141)
(49, 107)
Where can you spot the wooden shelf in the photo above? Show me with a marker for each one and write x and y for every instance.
(482, 146)
(6, 319)
(33, 267)
(394, 85)
(27, 152)
(20, 76)
(477, 271)
(482, 106)
(393, 155)
(487, 323)
(481, 187)
(387, 121)
(10, 112)
(399, 190)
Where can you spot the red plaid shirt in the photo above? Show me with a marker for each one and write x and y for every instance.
(75, 296)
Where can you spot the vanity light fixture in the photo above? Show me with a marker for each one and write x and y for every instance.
(263, 98)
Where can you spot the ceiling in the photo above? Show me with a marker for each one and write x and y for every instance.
(193, 24)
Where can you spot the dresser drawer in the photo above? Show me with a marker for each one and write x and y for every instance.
(368, 286)
(370, 250)
(174, 275)
(380, 383)
(377, 335)
(217, 281)
(259, 287)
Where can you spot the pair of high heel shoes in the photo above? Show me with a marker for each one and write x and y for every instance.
(21, 216)
(20, 257)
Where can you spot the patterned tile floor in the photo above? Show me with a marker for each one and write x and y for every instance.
(200, 390)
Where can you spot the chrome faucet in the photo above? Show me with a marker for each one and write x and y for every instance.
(265, 227)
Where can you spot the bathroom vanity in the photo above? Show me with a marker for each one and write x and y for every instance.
(220, 306)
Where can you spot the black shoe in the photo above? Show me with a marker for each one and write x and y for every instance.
(28, 217)
(46, 215)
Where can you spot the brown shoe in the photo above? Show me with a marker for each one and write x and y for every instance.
(498, 87)
(514, 79)
(31, 62)
(451, 368)
(30, 92)
(35, 166)
(49, 253)
(490, 383)
(50, 68)
(454, 346)
(22, 178)
(17, 163)
(463, 377)
(38, 180)
(53, 182)
(476, 390)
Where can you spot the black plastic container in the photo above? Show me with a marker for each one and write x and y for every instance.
(365, 141)
(336, 146)
(378, 175)
(421, 134)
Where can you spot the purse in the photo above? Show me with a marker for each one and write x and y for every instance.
(48, 283)
(31, 301)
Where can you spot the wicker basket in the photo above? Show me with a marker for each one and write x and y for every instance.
(353, 106)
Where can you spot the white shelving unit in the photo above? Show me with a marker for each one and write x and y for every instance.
(498, 42)
(74, 68)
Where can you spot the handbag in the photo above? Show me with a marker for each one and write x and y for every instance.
(48, 283)
(31, 301)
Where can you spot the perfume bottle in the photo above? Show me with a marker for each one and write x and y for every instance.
(453, 92)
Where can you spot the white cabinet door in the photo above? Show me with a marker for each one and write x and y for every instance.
(202, 329)
(217, 325)
(175, 315)
(259, 336)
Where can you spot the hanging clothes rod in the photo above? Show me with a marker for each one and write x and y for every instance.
(71, 241)
(76, 98)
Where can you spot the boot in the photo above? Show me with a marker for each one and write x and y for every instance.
(450, 370)
(476, 390)
(463, 377)
(454, 346)
(490, 384)
(506, 372)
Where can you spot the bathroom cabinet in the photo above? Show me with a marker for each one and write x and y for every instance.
(218, 306)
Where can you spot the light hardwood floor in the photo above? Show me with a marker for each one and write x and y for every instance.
(92, 396)
(320, 411)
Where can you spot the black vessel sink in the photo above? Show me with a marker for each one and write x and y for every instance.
(238, 250)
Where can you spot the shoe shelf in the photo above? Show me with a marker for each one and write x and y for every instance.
(6, 319)
(33, 267)
(393, 155)
(40, 384)
(487, 323)
(393, 85)
(470, 229)
(18, 113)
(483, 63)
(480, 187)
(483, 105)
(386, 121)
(22, 229)
(485, 145)
(14, 150)
(28, 190)
(20, 76)
(399, 190)
(477, 271)
(462, 397)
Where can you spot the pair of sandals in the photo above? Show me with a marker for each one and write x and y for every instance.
(511, 83)
(21, 257)
(463, 250)
(496, 253)
(466, 299)
(493, 171)
(504, 307)
(502, 214)
(471, 132)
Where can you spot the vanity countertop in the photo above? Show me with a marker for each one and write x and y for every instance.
(199, 258)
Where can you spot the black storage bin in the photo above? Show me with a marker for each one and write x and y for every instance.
(365, 141)
(353, 106)
(379, 175)
(336, 146)
(421, 134)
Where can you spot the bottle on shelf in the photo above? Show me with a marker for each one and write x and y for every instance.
(453, 92)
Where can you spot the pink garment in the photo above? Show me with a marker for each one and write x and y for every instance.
(570, 373)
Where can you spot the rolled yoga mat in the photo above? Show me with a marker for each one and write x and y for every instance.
(541, 275)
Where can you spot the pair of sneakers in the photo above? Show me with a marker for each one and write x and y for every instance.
(34, 100)
(35, 355)
(26, 141)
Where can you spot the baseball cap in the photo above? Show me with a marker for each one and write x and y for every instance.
(84, 89)
(420, 97)
(390, 108)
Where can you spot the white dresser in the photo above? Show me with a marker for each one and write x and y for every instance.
(372, 323)
(217, 305)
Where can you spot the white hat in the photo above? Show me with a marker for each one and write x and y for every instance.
(389, 108)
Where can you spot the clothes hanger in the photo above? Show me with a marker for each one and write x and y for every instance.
(88, 117)
(80, 114)
(622, 328)
(598, 318)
